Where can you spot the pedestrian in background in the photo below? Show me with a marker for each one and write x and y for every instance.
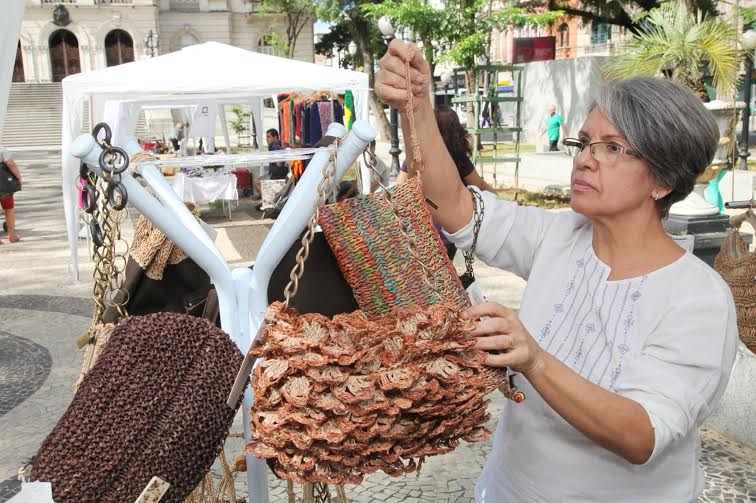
(6, 200)
(554, 123)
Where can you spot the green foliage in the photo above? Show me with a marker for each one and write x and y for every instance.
(680, 45)
(340, 36)
(458, 34)
(620, 12)
(297, 13)
(749, 14)
(240, 123)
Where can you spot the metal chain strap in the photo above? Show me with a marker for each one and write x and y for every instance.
(324, 186)
(479, 207)
(106, 199)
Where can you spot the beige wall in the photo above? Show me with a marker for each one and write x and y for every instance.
(225, 21)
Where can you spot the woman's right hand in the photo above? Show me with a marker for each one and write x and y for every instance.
(391, 81)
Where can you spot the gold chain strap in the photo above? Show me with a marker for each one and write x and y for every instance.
(324, 186)
(109, 258)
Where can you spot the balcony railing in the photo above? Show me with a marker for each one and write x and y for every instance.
(603, 49)
(105, 2)
(52, 2)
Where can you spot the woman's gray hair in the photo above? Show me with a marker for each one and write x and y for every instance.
(669, 128)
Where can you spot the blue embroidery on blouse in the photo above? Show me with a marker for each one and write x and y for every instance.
(559, 308)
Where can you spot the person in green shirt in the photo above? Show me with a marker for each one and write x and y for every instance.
(553, 123)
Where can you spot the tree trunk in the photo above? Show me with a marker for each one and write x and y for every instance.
(362, 38)
(471, 85)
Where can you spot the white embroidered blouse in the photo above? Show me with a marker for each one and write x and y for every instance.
(666, 340)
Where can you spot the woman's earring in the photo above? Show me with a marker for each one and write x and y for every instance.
(656, 196)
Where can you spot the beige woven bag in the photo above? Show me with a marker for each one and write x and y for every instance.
(738, 268)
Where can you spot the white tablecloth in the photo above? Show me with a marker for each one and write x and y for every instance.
(206, 188)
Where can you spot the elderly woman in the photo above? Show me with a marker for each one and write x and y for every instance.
(624, 341)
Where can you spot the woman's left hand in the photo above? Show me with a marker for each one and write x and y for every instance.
(503, 332)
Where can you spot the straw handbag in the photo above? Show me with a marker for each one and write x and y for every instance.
(738, 268)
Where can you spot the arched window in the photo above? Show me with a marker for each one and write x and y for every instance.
(265, 46)
(64, 54)
(119, 48)
(564, 35)
(185, 40)
(18, 66)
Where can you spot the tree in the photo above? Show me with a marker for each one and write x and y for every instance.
(622, 13)
(677, 44)
(339, 37)
(364, 33)
(298, 14)
(460, 33)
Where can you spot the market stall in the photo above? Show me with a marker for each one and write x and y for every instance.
(237, 74)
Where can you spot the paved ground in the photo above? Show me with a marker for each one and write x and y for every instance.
(42, 312)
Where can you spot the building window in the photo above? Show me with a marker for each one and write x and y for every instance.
(119, 48)
(564, 35)
(64, 54)
(601, 33)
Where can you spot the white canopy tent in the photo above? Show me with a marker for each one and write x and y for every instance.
(203, 72)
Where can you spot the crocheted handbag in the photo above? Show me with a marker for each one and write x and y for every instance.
(154, 404)
(737, 266)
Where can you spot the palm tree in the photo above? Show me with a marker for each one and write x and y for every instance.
(680, 45)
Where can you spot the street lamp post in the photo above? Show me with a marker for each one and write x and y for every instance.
(446, 77)
(387, 30)
(749, 43)
(152, 42)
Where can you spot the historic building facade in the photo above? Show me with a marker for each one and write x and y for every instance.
(64, 37)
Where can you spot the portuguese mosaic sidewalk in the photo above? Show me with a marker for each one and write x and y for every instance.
(42, 312)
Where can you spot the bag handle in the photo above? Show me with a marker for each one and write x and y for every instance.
(324, 187)
(479, 207)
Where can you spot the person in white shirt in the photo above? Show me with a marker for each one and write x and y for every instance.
(624, 341)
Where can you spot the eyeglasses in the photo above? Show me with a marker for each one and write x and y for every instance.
(605, 152)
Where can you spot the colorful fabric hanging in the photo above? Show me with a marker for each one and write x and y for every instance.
(306, 124)
(298, 120)
(316, 130)
(338, 112)
(349, 114)
(325, 116)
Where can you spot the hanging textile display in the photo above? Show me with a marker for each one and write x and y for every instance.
(349, 114)
(338, 398)
(303, 120)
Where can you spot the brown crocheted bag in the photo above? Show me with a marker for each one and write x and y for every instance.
(738, 268)
(154, 404)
